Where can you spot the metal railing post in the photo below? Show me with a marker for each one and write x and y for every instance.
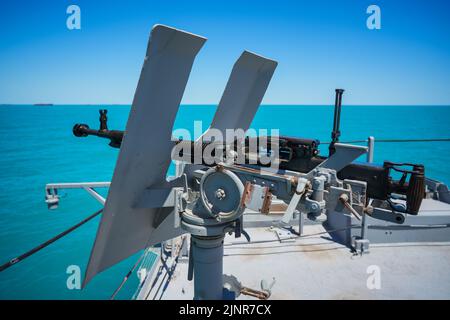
(371, 146)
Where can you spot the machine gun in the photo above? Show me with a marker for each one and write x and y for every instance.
(302, 155)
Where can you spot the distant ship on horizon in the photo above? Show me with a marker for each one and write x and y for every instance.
(43, 104)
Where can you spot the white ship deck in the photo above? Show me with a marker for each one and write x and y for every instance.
(315, 267)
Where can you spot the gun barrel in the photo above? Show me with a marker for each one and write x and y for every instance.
(336, 133)
(83, 130)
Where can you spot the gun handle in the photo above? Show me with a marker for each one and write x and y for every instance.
(416, 190)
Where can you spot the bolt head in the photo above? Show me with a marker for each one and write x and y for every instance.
(220, 194)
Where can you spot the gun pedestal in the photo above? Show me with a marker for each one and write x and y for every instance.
(206, 266)
(217, 211)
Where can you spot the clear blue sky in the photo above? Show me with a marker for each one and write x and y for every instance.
(320, 45)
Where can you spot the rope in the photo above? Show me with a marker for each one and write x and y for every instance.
(46, 243)
(125, 279)
(395, 140)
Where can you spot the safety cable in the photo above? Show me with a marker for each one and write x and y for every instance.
(48, 242)
(395, 140)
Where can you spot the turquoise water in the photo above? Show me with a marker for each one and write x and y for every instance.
(37, 147)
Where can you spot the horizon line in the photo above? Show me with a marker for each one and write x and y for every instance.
(45, 104)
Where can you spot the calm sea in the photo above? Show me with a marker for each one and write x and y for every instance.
(37, 147)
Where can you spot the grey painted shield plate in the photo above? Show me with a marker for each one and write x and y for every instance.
(144, 156)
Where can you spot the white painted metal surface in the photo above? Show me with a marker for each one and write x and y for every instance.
(52, 188)
(316, 267)
(145, 152)
(95, 195)
(77, 185)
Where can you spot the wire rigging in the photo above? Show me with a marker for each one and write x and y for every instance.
(47, 243)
